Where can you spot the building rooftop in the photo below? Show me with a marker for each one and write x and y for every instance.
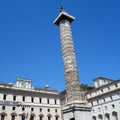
(103, 78)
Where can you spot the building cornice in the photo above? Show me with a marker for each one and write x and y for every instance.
(104, 94)
(40, 91)
(103, 86)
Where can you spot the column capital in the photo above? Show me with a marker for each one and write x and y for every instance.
(63, 15)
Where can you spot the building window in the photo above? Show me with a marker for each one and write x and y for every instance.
(97, 101)
(116, 85)
(98, 83)
(115, 115)
(23, 99)
(48, 101)
(99, 109)
(31, 117)
(92, 103)
(108, 88)
(104, 99)
(107, 116)
(111, 98)
(2, 117)
(4, 97)
(32, 99)
(72, 118)
(40, 100)
(23, 108)
(13, 117)
(56, 118)
(48, 110)
(14, 98)
(101, 90)
(94, 118)
(100, 117)
(106, 108)
(40, 109)
(49, 118)
(13, 108)
(113, 106)
(56, 110)
(40, 117)
(32, 109)
(118, 94)
(55, 101)
(3, 107)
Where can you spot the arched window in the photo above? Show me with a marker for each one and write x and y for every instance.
(13, 116)
(41, 116)
(94, 118)
(100, 117)
(49, 116)
(2, 117)
(32, 116)
(57, 117)
(107, 116)
(3, 114)
(114, 114)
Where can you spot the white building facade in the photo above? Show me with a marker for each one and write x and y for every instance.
(21, 101)
(105, 99)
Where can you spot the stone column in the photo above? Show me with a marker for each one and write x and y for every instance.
(70, 67)
(75, 109)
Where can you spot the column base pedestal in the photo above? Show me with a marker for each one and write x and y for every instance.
(76, 110)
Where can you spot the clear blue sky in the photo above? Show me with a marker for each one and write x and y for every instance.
(30, 42)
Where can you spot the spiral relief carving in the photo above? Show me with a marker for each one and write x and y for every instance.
(69, 60)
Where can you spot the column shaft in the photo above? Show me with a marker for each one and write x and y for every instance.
(69, 60)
